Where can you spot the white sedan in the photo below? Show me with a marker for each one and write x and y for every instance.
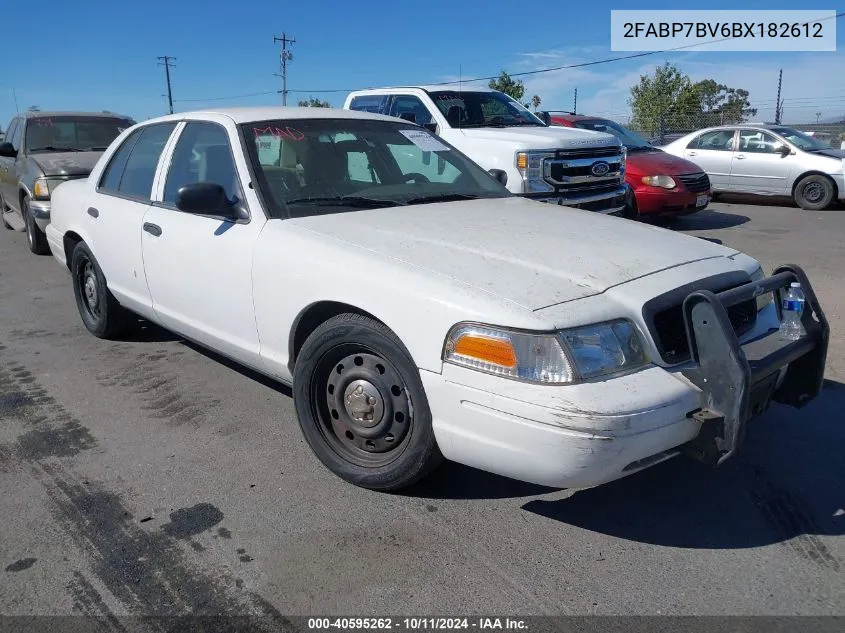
(418, 309)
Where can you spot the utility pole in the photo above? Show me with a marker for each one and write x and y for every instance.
(575, 105)
(779, 106)
(286, 57)
(818, 116)
(167, 63)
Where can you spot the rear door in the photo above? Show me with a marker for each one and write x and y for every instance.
(758, 166)
(713, 152)
(6, 168)
(115, 214)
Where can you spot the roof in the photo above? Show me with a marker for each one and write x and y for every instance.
(51, 113)
(265, 113)
(430, 88)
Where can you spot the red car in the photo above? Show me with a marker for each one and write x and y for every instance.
(663, 185)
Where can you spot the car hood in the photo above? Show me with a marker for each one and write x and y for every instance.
(66, 163)
(529, 253)
(833, 153)
(543, 137)
(660, 164)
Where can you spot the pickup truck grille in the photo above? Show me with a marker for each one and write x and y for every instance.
(695, 183)
(671, 335)
(591, 152)
(558, 170)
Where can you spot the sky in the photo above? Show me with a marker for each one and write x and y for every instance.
(102, 55)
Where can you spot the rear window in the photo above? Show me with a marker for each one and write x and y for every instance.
(369, 103)
(73, 133)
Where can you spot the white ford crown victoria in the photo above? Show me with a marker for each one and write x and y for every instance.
(420, 310)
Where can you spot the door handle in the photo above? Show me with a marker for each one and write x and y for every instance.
(94, 213)
(691, 153)
(739, 157)
(152, 229)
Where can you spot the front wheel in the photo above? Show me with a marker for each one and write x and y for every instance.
(34, 236)
(361, 405)
(101, 314)
(814, 192)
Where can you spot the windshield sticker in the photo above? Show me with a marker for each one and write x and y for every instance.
(286, 133)
(425, 141)
(45, 122)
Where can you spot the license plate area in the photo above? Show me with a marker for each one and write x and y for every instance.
(701, 200)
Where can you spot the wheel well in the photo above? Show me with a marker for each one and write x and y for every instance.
(312, 317)
(816, 173)
(70, 241)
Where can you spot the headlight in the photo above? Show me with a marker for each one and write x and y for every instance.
(664, 182)
(766, 298)
(560, 358)
(41, 189)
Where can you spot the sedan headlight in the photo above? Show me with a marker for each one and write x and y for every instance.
(548, 358)
(664, 182)
(41, 189)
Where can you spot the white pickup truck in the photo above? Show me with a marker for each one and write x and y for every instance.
(576, 168)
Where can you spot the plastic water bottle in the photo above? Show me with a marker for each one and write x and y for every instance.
(793, 308)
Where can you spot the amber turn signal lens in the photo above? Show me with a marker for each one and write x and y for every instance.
(522, 160)
(491, 350)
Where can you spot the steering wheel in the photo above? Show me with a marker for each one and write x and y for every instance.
(415, 176)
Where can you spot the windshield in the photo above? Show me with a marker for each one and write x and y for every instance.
(482, 109)
(628, 138)
(800, 140)
(310, 166)
(73, 133)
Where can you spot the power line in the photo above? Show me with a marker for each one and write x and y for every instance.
(285, 58)
(167, 65)
(253, 94)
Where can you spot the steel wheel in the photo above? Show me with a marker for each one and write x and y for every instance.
(363, 407)
(88, 284)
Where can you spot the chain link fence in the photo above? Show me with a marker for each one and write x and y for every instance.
(665, 129)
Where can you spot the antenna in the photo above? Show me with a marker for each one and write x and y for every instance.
(15, 95)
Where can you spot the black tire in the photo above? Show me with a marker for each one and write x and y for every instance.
(631, 211)
(101, 314)
(34, 236)
(814, 192)
(392, 444)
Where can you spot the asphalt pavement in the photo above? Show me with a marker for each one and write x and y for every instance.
(151, 477)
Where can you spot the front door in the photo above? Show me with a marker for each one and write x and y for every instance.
(759, 166)
(199, 268)
(713, 152)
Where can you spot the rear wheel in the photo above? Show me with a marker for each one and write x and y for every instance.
(34, 236)
(814, 192)
(101, 314)
(361, 405)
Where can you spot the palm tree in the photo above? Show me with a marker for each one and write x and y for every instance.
(535, 101)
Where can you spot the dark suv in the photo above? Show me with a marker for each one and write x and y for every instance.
(42, 150)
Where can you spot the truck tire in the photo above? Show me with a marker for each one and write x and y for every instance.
(34, 236)
(101, 314)
(814, 192)
(361, 404)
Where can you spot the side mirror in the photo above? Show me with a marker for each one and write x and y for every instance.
(501, 175)
(207, 198)
(7, 150)
(408, 116)
(431, 127)
(784, 150)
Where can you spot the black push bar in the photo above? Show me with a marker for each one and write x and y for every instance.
(739, 380)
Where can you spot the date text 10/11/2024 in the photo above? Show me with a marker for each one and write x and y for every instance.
(415, 624)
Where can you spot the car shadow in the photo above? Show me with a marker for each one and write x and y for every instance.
(768, 201)
(707, 220)
(784, 485)
(143, 331)
(456, 481)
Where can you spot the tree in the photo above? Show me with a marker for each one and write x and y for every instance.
(505, 83)
(657, 97)
(313, 102)
(535, 101)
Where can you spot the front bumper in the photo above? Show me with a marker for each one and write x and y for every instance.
(584, 435)
(40, 210)
(654, 202)
(607, 202)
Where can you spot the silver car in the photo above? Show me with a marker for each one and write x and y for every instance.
(770, 160)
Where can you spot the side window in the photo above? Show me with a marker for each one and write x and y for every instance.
(202, 154)
(369, 103)
(110, 180)
(403, 104)
(17, 135)
(140, 169)
(409, 158)
(10, 131)
(718, 140)
(757, 142)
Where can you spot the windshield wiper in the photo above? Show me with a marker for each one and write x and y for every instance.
(443, 197)
(358, 202)
(52, 148)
